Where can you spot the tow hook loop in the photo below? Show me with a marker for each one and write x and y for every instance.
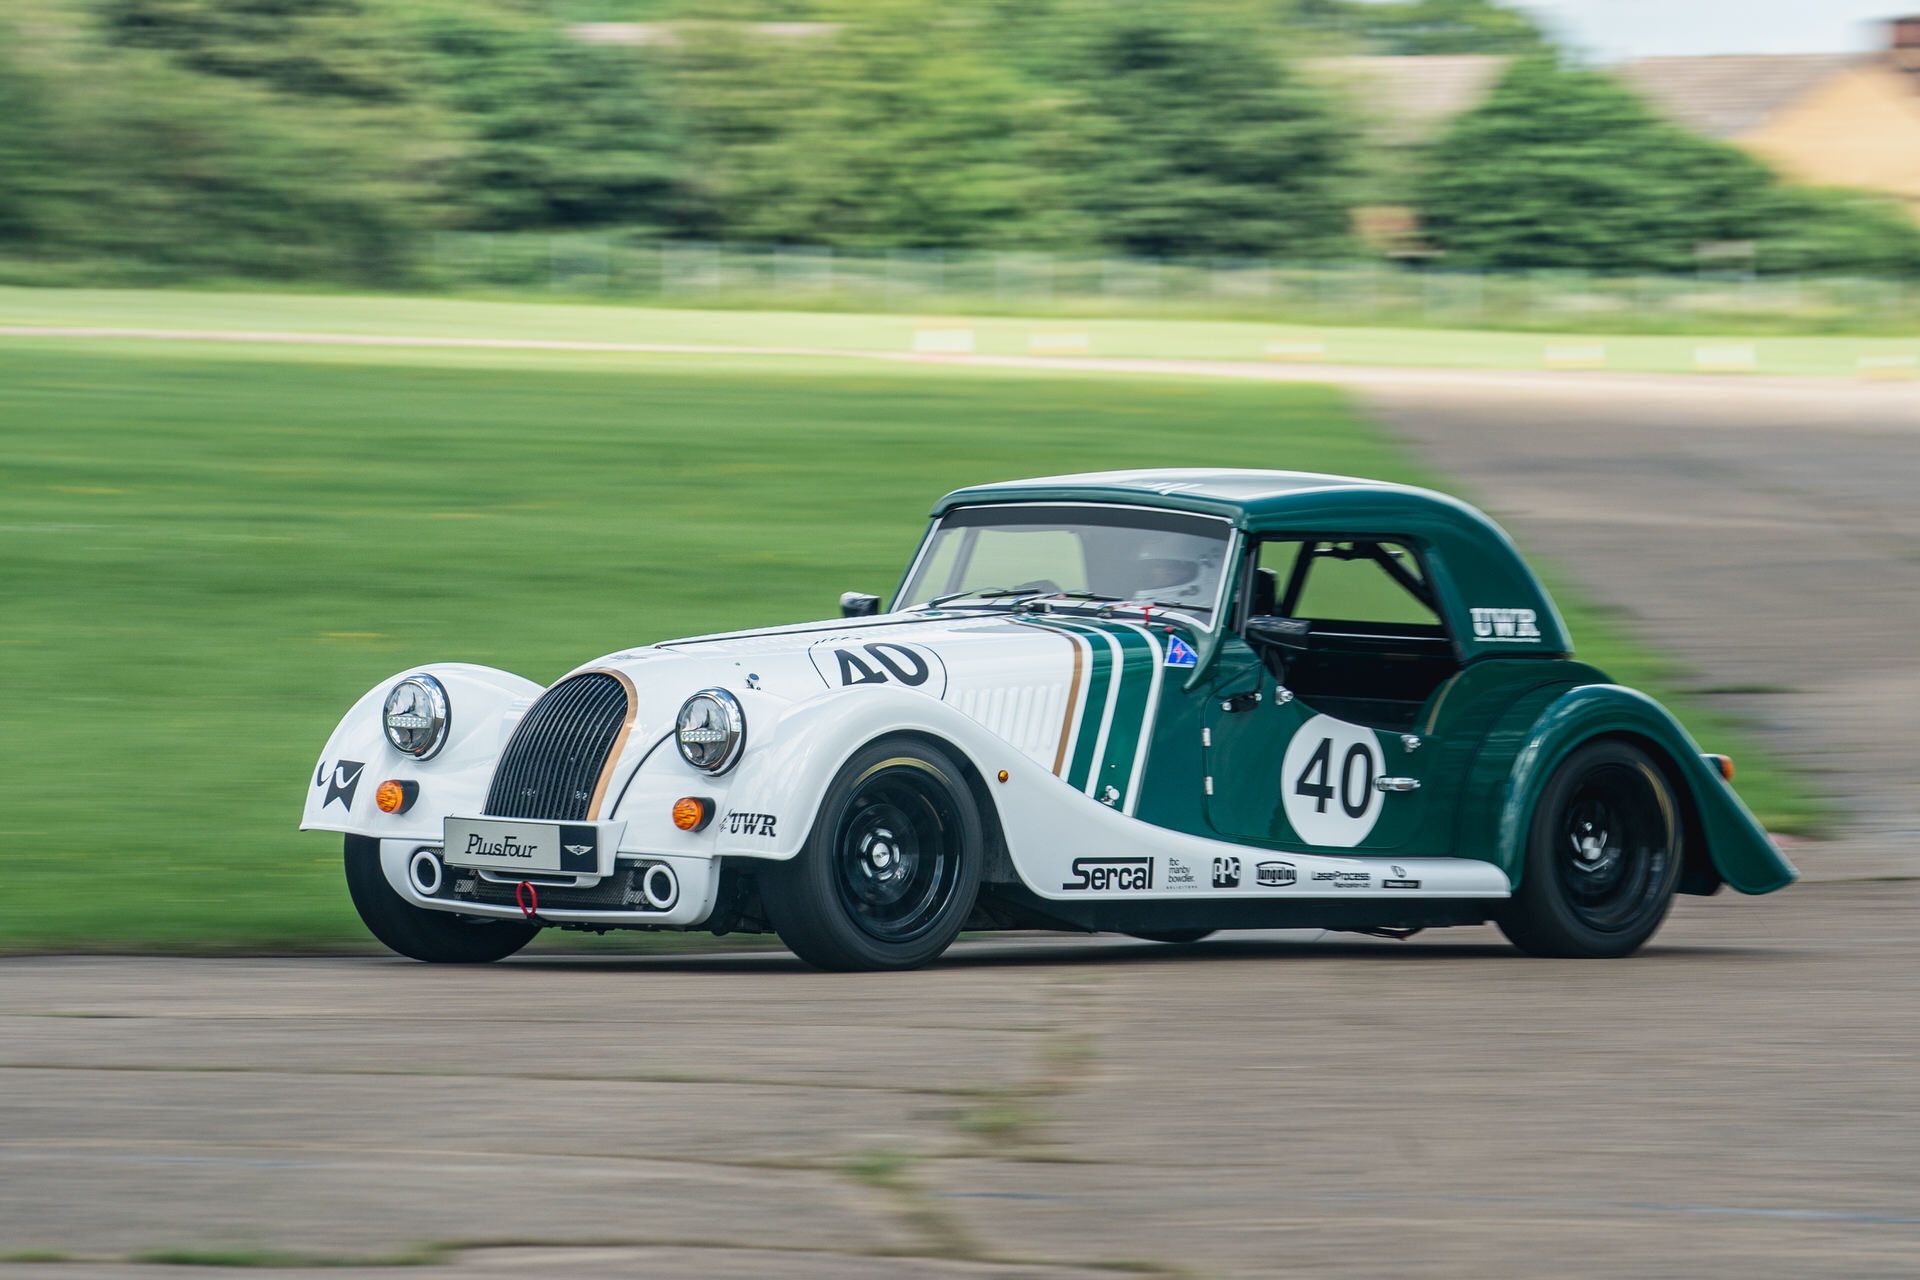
(527, 897)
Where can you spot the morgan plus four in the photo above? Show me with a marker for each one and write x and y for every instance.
(1153, 702)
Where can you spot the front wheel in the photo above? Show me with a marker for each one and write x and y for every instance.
(420, 934)
(1603, 856)
(891, 868)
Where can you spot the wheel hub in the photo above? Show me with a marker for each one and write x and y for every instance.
(1591, 848)
(884, 862)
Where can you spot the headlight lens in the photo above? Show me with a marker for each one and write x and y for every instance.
(416, 716)
(711, 731)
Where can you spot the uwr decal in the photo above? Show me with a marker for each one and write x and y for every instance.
(1506, 624)
(749, 824)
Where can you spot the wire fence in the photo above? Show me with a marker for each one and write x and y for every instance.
(684, 273)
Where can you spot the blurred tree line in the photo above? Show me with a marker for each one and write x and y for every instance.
(320, 138)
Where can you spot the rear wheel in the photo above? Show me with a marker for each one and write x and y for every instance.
(420, 934)
(1603, 856)
(891, 868)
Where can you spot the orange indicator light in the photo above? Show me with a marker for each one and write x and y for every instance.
(1003, 775)
(1724, 764)
(395, 796)
(692, 813)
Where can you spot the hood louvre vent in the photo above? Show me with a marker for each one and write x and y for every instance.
(551, 768)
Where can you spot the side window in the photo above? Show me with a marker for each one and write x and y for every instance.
(1349, 581)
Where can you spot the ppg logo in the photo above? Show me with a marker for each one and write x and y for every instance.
(1226, 873)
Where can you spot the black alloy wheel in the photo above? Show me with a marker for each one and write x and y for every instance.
(437, 937)
(1603, 856)
(891, 868)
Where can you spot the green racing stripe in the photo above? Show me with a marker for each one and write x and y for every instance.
(1117, 712)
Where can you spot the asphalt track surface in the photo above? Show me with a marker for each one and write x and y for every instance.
(1738, 1100)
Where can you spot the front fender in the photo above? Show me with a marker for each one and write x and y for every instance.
(787, 774)
(483, 706)
(1735, 840)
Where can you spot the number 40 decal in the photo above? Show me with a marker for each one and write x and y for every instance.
(895, 660)
(1313, 783)
(882, 662)
(1326, 782)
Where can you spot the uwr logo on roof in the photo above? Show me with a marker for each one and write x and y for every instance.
(1515, 625)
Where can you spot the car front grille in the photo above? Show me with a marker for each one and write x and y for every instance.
(553, 762)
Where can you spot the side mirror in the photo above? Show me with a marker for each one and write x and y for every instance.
(858, 604)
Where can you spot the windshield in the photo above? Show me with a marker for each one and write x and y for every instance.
(1163, 558)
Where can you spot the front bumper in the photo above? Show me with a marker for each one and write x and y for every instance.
(619, 900)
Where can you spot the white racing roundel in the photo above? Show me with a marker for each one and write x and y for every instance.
(1326, 782)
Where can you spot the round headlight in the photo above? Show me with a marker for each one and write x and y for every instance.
(416, 716)
(711, 731)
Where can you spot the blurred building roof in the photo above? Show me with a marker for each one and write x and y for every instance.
(1410, 98)
(1828, 119)
(1730, 95)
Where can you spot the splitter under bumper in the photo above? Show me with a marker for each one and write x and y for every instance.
(644, 891)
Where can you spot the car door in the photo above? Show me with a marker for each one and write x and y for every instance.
(1335, 764)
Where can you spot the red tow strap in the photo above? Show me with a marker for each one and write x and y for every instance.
(527, 897)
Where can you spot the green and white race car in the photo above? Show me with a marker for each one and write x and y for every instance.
(1154, 702)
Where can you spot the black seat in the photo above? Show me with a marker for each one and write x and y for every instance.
(1376, 674)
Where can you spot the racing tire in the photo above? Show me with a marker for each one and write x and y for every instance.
(1174, 937)
(891, 868)
(1603, 856)
(417, 933)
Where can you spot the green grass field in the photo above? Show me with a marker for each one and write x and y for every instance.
(209, 554)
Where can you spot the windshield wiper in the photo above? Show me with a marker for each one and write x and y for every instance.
(1037, 603)
(985, 593)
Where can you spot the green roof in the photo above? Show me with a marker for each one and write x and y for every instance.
(1478, 567)
(1248, 497)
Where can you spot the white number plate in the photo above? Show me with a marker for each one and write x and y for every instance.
(553, 848)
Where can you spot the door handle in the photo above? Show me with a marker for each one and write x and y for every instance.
(1396, 784)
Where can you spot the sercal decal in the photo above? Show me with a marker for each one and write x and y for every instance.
(1105, 875)
(343, 782)
(1506, 626)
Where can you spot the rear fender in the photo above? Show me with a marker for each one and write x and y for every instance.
(483, 703)
(1735, 841)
